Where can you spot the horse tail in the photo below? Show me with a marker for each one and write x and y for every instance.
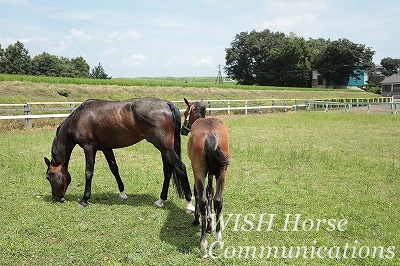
(216, 159)
(176, 117)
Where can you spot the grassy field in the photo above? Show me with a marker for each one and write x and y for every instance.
(340, 167)
(21, 89)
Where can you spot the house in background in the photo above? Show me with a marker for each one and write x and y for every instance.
(319, 81)
(391, 86)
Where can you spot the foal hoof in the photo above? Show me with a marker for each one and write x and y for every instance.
(83, 204)
(122, 196)
(159, 203)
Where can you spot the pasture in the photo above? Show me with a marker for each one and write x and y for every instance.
(324, 184)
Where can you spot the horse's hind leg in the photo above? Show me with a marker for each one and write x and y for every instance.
(218, 202)
(202, 205)
(173, 164)
(112, 163)
(167, 169)
(210, 195)
(197, 210)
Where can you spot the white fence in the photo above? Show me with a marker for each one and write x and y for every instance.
(37, 110)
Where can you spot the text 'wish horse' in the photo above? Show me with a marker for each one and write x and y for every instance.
(98, 125)
(208, 150)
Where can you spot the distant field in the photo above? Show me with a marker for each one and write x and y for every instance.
(20, 89)
(312, 165)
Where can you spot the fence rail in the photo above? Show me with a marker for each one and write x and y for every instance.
(39, 110)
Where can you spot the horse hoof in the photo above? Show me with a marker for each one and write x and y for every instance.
(122, 196)
(196, 223)
(159, 203)
(189, 208)
(83, 204)
(204, 256)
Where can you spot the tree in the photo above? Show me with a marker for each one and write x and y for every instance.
(267, 58)
(81, 67)
(1, 60)
(15, 59)
(390, 66)
(46, 65)
(342, 59)
(247, 60)
(316, 46)
(289, 63)
(99, 73)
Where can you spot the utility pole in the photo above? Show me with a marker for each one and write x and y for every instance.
(219, 76)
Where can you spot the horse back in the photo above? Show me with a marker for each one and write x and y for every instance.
(207, 132)
(116, 124)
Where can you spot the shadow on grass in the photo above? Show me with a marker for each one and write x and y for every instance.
(177, 230)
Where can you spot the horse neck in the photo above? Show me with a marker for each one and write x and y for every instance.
(62, 148)
(197, 116)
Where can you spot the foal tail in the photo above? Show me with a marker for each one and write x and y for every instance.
(176, 116)
(216, 159)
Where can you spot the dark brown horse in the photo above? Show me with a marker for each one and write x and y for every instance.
(208, 150)
(98, 125)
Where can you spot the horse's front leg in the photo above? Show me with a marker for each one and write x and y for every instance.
(90, 155)
(112, 163)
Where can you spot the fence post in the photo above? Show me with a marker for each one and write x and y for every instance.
(245, 110)
(229, 107)
(273, 104)
(27, 111)
(209, 106)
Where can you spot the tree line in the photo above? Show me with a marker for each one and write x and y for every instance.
(275, 59)
(15, 59)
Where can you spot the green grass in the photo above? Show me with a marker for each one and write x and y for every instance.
(184, 82)
(320, 165)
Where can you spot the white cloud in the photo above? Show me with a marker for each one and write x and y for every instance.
(300, 24)
(206, 61)
(129, 35)
(135, 60)
(73, 41)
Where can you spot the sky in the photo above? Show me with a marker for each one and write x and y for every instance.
(186, 38)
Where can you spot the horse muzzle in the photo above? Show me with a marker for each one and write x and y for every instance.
(58, 199)
(185, 131)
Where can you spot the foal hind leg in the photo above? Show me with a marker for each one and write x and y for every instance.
(196, 210)
(112, 163)
(210, 195)
(202, 205)
(218, 202)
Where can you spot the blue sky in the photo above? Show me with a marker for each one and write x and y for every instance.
(185, 38)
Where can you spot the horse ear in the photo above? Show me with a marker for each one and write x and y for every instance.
(186, 101)
(47, 161)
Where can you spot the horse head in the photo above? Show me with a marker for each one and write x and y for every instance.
(194, 111)
(59, 179)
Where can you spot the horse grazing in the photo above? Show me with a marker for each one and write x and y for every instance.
(208, 149)
(98, 125)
